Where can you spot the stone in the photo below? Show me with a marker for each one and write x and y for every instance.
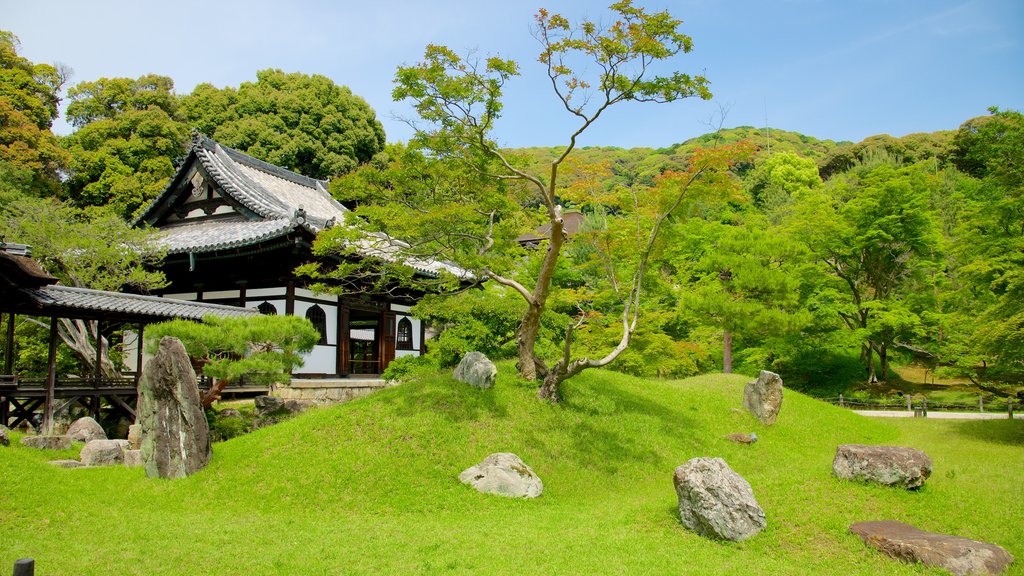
(742, 438)
(229, 413)
(271, 409)
(66, 463)
(961, 556)
(476, 370)
(47, 442)
(86, 429)
(717, 502)
(175, 434)
(135, 437)
(5, 437)
(133, 458)
(504, 474)
(889, 465)
(103, 452)
(763, 397)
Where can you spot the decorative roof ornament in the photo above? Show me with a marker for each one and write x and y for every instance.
(300, 215)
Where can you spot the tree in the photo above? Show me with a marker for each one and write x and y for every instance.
(304, 123)
(262, 349)
(91, 248)
(591, 68)
(873, 231)
(29, 97)
(780, 178)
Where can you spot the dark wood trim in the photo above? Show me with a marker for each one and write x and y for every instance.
(141, 339)
(289, 299)
(9, 357)
(51, 377)
(241, 296)
(423, 337)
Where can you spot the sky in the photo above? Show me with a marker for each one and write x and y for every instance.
(831, 69)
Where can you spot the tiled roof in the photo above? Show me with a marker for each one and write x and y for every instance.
(151, 307)
(210, 235)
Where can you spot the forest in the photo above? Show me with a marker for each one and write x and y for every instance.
(845, 267)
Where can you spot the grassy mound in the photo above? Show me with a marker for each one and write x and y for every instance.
(371, 487)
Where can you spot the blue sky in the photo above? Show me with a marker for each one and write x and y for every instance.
(832, 69)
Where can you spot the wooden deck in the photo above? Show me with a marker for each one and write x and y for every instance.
(21, 398)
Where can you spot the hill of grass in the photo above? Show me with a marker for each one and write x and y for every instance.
(371, 487)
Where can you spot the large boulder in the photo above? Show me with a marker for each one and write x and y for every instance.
(717, 502)
(175, 435)
(86, 429)
(889, 465)
(763, 397)
(271, 409)
(103, 452)
(504, 474)
(47, 442)
(5, 438)
(961, 556)
(476, 370)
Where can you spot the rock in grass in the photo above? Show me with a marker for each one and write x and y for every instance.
(742, 438)
(47, 442)
(133, 458)
(476, 370)
(888, 465)
(66, 463)
(103, 452)
(270, 410)
(763, 397)
(86, 429)
(961, 556)
(5, 438)
(504, 474)
(175, 435)
(717, 502)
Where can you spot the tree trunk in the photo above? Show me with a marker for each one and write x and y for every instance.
(526, 340)
(727, 351)
(549, 390)
(526, 336)
(867, 353)
(883, 361)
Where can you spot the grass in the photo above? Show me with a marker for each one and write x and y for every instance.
(370, 487)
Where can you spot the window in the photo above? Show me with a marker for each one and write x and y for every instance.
(316, 315)
(267, 309)
(403, 340)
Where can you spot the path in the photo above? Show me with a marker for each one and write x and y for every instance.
(935, 415)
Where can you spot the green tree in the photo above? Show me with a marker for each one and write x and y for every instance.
(304, 123)
(262, 349)
(29, 96)
(874, 232)
(780, 178)
(591, 68)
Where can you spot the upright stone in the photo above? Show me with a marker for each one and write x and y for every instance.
(476, 370)
(717, 502)
(176, 437)
(763, 397)
(85, 430)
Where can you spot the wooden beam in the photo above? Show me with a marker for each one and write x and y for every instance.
(51, 378)
(140, 339)
(9, 357)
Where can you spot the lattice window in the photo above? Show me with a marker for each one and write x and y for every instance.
(403, 340)
(267, 309)
(318, 317)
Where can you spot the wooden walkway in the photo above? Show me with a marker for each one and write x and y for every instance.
(21, 398)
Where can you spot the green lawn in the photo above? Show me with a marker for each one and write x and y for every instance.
(370, 488)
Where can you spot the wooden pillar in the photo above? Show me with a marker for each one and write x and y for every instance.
(241, 295)
(423, 337)
(289, 298)
(51, 378)
(9, 357)
(343, 335)
(98, 371)
(138, 354)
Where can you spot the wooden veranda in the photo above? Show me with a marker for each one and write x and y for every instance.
(25, 289)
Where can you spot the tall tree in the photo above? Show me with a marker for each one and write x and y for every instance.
(29, 99)
(304, 123)
(591, 68)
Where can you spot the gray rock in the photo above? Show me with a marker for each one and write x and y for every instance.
(889, 465)
(476, 370)
(47, 442)
(5, 437)
(103, 452)
(717, 502)
(961, 556)
(133, 458)
(763, 397)
(86, 429)
(229, 413)
(175, 435)
(271, 409)
(66, 463)
(135, 437)
(504, 474)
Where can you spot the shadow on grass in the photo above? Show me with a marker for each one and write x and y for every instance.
(1009, 432)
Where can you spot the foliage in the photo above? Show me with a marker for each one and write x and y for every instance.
(263, 349)
(780, 179)
(909, 149)
(386, 464)
(304, 123)
(29, 97)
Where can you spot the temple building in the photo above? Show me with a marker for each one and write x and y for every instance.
(235, 228)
